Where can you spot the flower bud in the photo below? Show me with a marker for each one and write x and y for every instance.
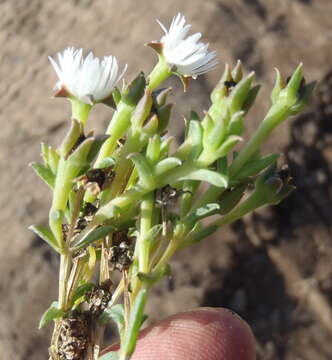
(220, 91)
(237, 72)
(295, 95)
(240, 93)
(278, 86)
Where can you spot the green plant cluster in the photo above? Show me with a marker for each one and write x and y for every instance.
(126, 201)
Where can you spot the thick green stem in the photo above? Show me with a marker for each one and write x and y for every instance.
(147, 207)
(159, 74)
(65, 265)
(131, 196)
(80, 110)
(116, 129)
(121, 119)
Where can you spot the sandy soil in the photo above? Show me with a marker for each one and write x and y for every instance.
(274, 267)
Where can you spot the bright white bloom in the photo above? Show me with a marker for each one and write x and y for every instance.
(89, 79)
(188, 55)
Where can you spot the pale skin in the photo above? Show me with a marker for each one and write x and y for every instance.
(201, 334)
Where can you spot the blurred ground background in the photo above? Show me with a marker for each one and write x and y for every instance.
(273, 268)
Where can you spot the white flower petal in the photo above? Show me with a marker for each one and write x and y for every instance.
(89, 76)
(187, 54)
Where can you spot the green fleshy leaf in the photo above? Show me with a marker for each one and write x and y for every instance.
(115, 313)
(135, 90)
(45, 234)
(220, 91)
(164, 114)
(237, 72)
(235, 126)
(81, 291)
(53, 159)
(184, 150)
(160, 96)
(44, 153)
(116, 96)
(52, 313)
(44, 173)
(151, 126)
(278, 86)
(55, 222)
(153, 149)
(240, 93)
(295, 82)
(254, 167)
(227, 145)
(78, 158)
(283, 193)
(142, 110)
(93, 236)
(167, 164)
(230, 198)
(133, 232)
(215, 132)
(96, 146)
(201, 213)
(195, 134)
(304, 98)
(145, 171)
(68, 170)
(251, 98)
(196, 236)
(71, 138)
(165, 145)
(105, 163)
(152, 235)
(153, 232)
(268, 190)
(136, 316)
(153, 278)
(194, 116)
(208, 123)
(222, 165)
(209, 176)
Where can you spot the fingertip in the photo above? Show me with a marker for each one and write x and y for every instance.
(206, 333)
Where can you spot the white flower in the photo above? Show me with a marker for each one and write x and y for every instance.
(89, 79)
(189, 56)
